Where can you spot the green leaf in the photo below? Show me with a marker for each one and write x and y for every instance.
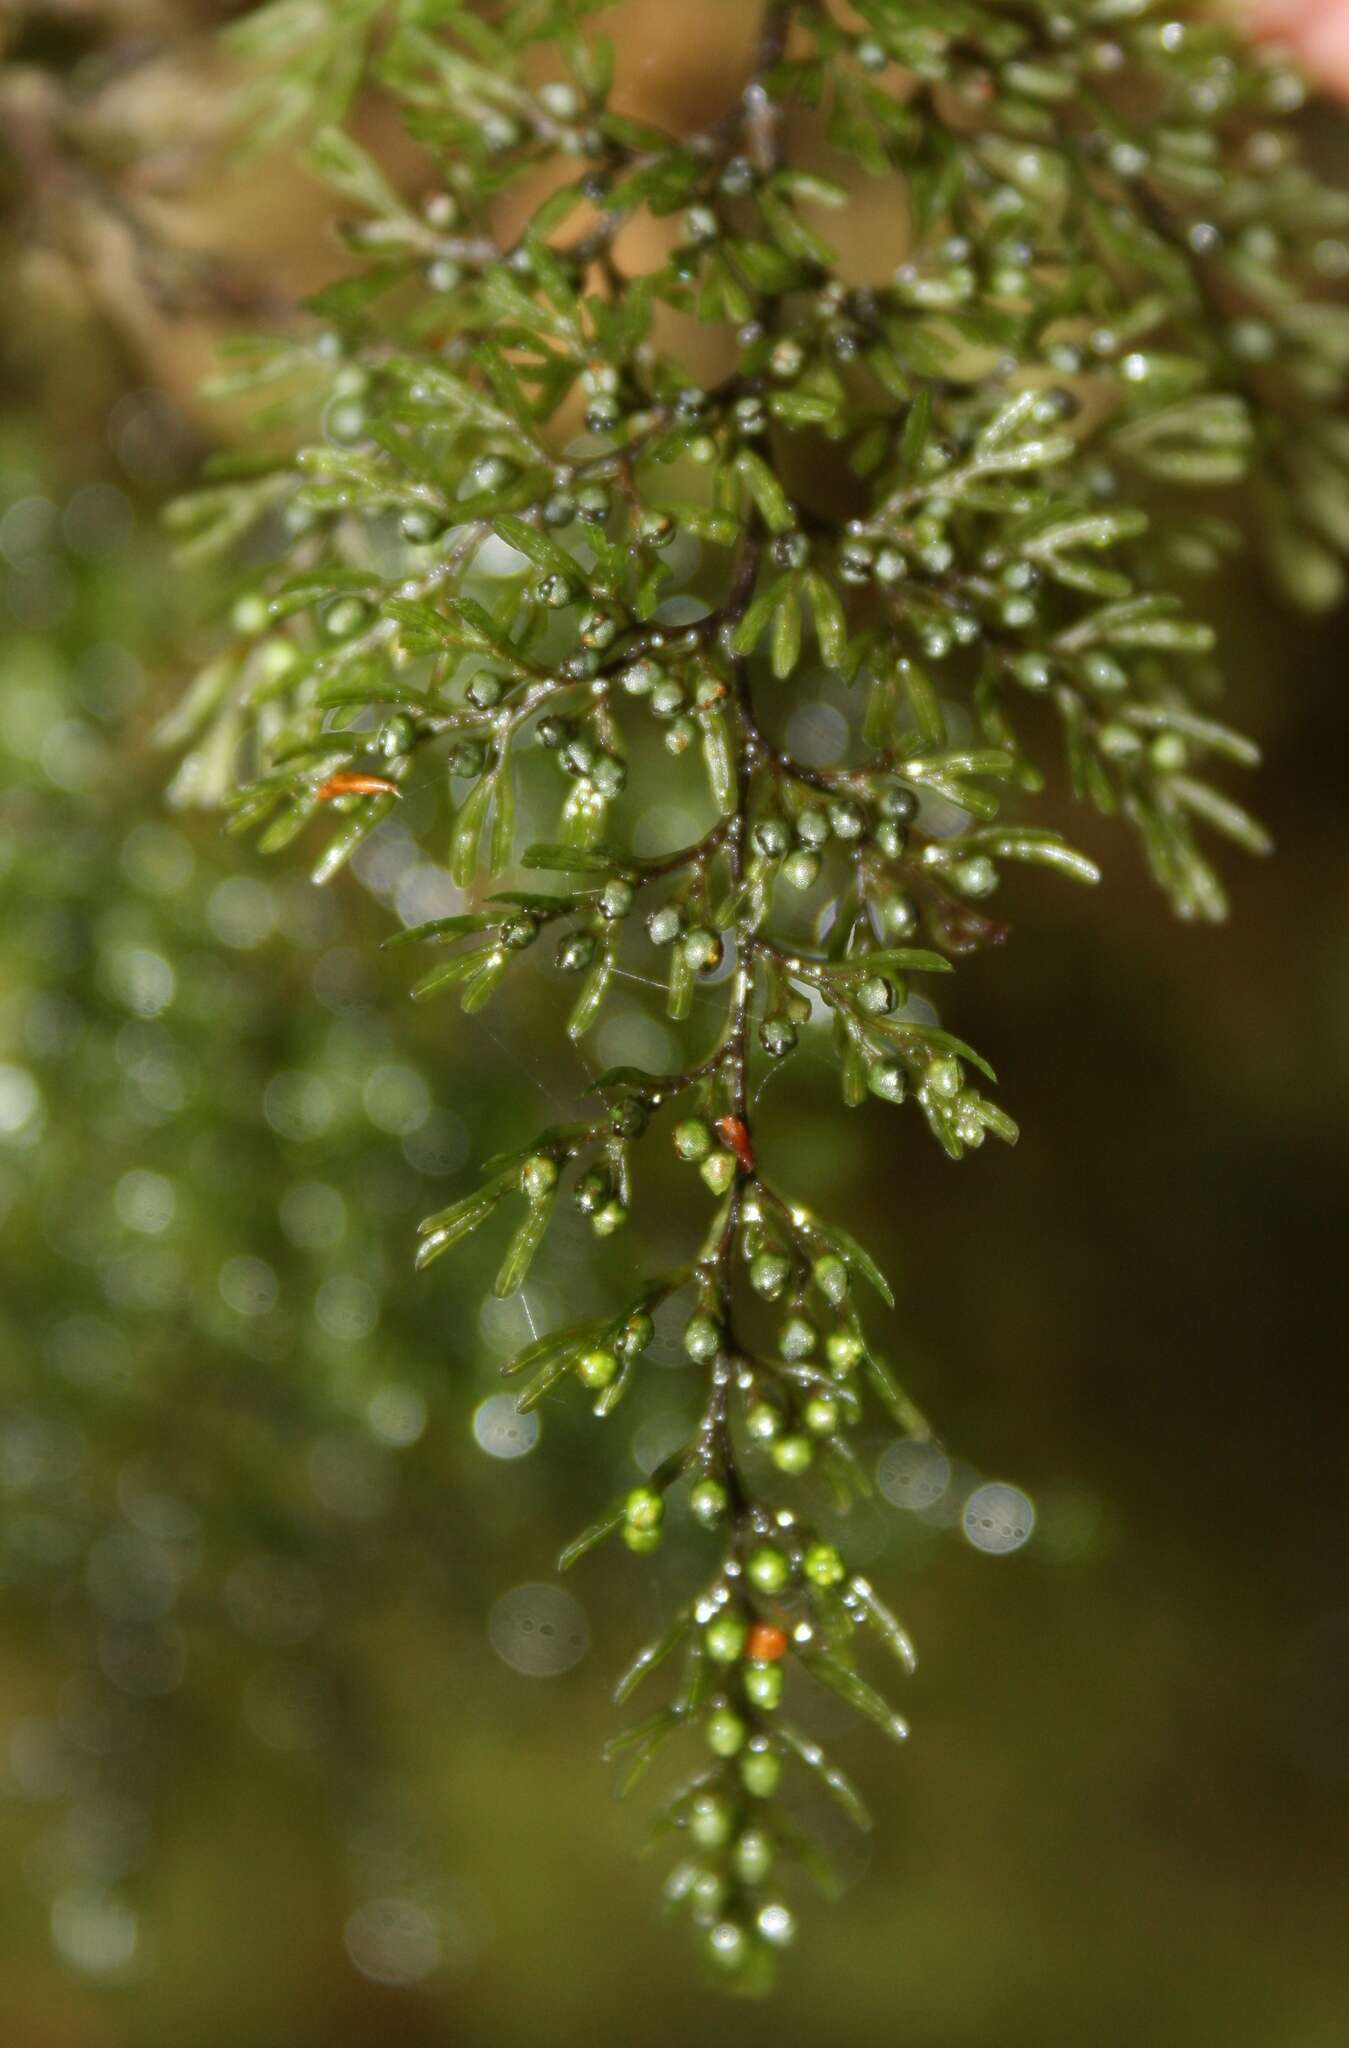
(528, 1237)
(839, 1787)
(831, 629)
(452, 972)
(540, 548)
(854, 1256)
(452, 1225)
(576, 860)
(787, 633)
(719, 755)
(467, 833)
(653, 1655)
(604, 1525)
(775, 508)
(593, 991)
(855, 1691)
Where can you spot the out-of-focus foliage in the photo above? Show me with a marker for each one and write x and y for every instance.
(226, 1421)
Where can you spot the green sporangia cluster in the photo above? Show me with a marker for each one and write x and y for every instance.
(503, 552)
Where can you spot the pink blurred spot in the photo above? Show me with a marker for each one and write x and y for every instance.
(1315, 32)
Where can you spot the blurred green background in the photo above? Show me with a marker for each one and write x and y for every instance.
(270, 1772)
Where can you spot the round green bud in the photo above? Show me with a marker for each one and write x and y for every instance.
(887, 1079)
(657, 529)
(597, 1369)
(976, 876)
(724, 1731)
(801, 869)
(777, 1036)
(518, 932)
(769, 1274)
(575, 952)
(641, 1540)
(628, 1116)
(644, 1508)
(609, 1219)
(640, 678)
(702, 1338)
(797, 1338)
(821, 1415)
(943, 1076)
(251, 615)
(752, 1856)
(592, 502)
(890, 840)
(776, 1923)
(812, 828)
(763, 1422)
(728, 1946)
(617, 898)
(760, 1770)
(693, 1138)
(793, 1455)
(397, 736)
(900, 915)
(719, 1170)
(822, 1565)
(724, 1638)
(592, 1191)
(846, 820)
(278, 657)
(664, 925)
(609, 775)
(680, 735)
(708, 1502)
(553, 733)
(898, 802)
(636, 1333)
(710, 1821)
(598, 629)
(467, 759)
(791, 551)
(844, 1349)
(772, 838)
(345, 617)
(346, 422)
(555, 591)
(768, 1569)
(420, 525)
(538, 1176)
(876, 997)
(667, 698)
(763, 1685)
(702, 949)
(787, 360)
(830, 1274)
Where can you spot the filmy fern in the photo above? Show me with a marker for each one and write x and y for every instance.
(503, 550)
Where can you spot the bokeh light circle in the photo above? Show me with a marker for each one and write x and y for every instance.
(539, 1630)
(998, 1518)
